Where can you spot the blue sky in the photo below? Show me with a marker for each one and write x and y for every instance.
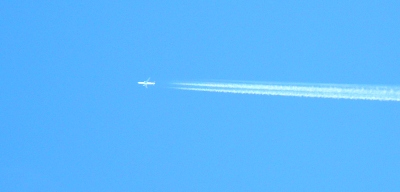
(72, 117)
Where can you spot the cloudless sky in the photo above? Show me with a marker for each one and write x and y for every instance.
(73, 118)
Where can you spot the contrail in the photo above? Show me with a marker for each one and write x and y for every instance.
(335, 91)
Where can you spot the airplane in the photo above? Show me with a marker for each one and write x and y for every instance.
(147, 82)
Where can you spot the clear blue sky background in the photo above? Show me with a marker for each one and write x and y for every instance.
(72, 117)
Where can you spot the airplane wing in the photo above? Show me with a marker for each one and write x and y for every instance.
(148, 79)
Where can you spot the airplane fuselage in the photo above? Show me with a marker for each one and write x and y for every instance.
(146, 83)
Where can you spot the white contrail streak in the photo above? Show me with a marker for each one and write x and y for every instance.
(362, 92)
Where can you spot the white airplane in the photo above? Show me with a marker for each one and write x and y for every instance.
(147, 82)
